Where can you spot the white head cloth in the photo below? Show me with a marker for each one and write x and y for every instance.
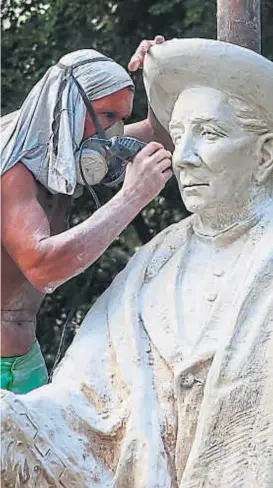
(48, 128)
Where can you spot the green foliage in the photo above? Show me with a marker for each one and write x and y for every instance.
(34, 35)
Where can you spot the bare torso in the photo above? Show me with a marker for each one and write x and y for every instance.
(20, 300)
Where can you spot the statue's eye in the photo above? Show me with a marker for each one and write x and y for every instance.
(209, 133)
(177, 133)
(177, 137)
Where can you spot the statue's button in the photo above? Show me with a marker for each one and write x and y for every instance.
(187, 381)
(211, 297)
(218, 273)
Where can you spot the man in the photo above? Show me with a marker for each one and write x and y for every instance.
(168, 382)
(41, 143)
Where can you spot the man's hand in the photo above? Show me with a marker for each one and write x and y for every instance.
(147, 175)
(136, 61)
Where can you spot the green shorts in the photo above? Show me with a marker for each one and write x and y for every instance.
(22, 374)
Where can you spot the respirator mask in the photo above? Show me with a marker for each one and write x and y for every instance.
(92, 158)
(102, 158)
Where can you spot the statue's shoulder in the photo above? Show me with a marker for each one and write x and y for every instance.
(163, 245)
(148, 260)
(173, 233)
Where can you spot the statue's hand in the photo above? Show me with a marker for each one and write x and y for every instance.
(136, 61)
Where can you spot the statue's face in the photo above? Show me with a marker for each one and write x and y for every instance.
(214, 157)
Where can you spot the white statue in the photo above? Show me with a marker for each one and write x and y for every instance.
(168, 383)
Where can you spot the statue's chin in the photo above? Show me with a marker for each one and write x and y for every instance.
(196, 204)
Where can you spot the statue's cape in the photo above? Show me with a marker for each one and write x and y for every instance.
(124, 407)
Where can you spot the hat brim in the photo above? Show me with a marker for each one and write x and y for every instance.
(175, 65)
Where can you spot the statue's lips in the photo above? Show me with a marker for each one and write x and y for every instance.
(193, 185)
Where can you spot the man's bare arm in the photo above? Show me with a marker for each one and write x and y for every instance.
(48, 261)
(140, 130)
(148, 130)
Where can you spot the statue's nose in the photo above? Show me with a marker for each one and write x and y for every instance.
(186, 154)
(189, 158)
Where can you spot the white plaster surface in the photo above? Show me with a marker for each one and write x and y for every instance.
(168, 383)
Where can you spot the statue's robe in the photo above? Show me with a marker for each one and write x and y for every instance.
(128, 409)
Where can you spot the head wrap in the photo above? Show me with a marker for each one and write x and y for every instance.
(48, 128)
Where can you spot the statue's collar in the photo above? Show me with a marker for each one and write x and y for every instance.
(227, 235)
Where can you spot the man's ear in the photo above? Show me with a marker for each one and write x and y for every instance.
(265, 166)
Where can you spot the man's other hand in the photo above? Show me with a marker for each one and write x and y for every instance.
(136, 61)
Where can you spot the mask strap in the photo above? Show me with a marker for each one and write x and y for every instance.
(90, 109)
(87, 103)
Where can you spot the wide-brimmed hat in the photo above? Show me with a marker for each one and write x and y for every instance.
(175, 65)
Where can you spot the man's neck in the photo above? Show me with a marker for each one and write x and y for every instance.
(217, 221)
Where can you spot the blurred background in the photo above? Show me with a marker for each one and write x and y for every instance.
(35, 34)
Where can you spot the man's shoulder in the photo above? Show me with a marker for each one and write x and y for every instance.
(18, 176)
(19, 182)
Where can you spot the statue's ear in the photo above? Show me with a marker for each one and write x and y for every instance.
(265, 166)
